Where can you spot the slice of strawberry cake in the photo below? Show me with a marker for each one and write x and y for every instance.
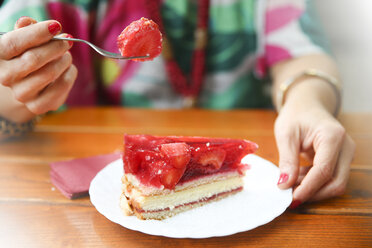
(164, 176)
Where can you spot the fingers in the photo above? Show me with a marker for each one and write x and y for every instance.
(20, 40)
(288, 143)
(28, 88)
(301, 175)
(55, 94)
(36, 69)
(327, 145)
(24, 21)
(30, 61)
(337, 185)
(308, 155)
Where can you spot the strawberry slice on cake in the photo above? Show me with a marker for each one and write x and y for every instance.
(164, 176)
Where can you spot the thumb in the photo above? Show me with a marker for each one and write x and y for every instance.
(24, 21)
(288, 143)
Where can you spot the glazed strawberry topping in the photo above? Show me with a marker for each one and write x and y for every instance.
(178, 154)
(211, 160)
(166, 161)
(140, 38)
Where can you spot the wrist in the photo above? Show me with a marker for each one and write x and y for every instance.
(313, 92)
(11, 109)
(17, 114)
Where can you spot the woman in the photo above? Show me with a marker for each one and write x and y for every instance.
(216, 55)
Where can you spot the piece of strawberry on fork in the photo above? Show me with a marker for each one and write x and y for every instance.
(140, 38)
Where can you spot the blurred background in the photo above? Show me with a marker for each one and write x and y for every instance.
(348, 26)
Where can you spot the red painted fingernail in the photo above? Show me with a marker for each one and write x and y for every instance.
(70, 42)
(295, 204)
(283, 178)
(54, 28)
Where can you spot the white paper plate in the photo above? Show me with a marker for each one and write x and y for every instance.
(259, 203)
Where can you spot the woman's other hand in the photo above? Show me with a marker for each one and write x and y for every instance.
(320, 138)
(306, 126)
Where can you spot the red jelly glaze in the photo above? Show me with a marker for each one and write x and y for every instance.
(165, 161)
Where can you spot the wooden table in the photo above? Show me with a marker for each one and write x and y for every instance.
(34, 214)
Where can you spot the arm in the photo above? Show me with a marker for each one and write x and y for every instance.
(305, 125)
(310, 88)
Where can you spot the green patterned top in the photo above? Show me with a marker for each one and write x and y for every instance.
(245, 38)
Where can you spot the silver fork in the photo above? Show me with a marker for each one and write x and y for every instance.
(96, 48)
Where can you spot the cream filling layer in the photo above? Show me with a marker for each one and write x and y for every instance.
(177, 198)
(148, 190)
